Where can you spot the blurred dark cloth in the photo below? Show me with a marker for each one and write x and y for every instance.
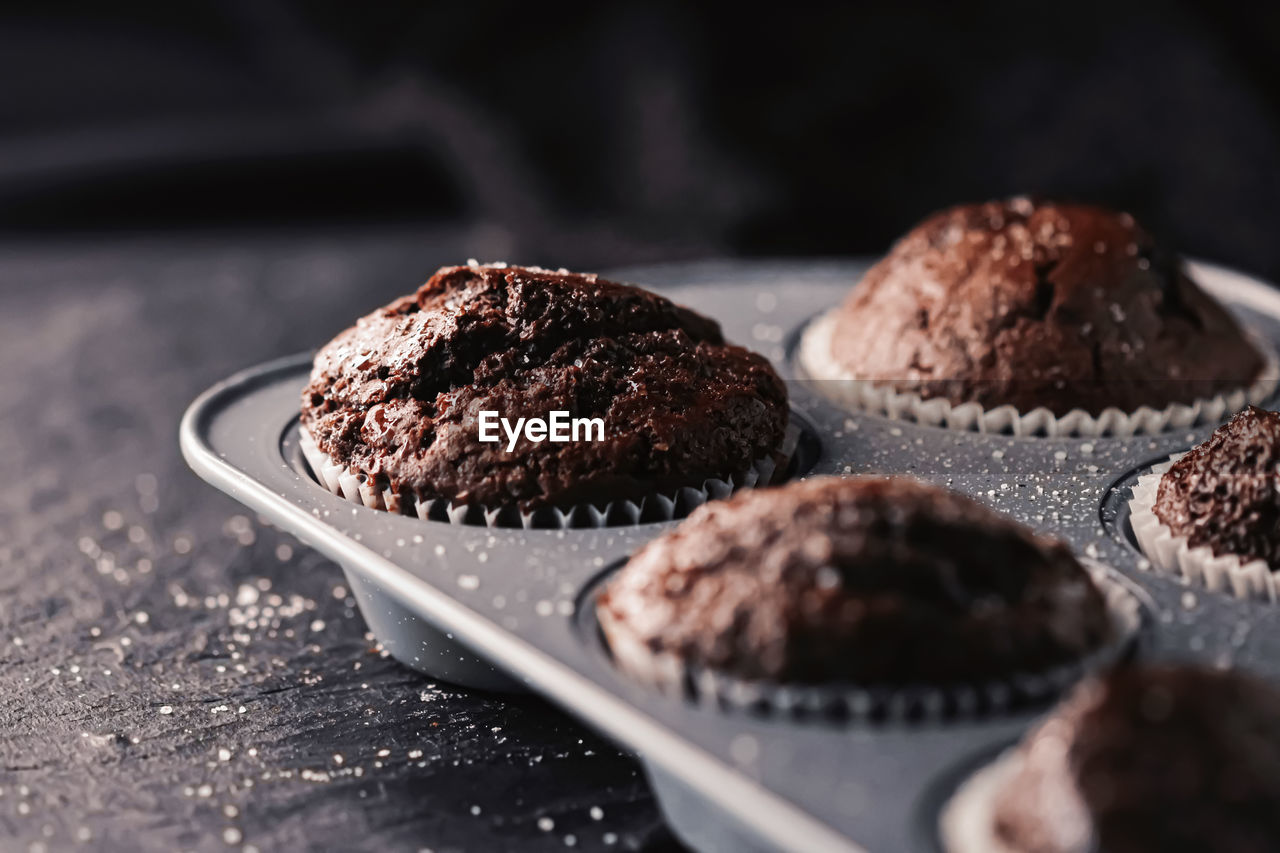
(612, 133)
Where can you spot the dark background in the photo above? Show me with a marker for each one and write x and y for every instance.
(188, 189)
(608, 133)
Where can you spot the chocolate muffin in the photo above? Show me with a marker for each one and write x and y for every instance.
(1036, 305)
(861, 580)
(1225, 493)
(1148, 759)
(397, 396)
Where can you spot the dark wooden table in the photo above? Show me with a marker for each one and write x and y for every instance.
(174, 674)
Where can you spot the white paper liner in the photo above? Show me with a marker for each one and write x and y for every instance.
(652, 508)
(868, 396)
(1172, 555)
(967, 822)
(667, 673)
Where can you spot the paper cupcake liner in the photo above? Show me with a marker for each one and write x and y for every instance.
(1173, 555)
(652, 508)
(881, 399)
(667, 673)
(967, 821)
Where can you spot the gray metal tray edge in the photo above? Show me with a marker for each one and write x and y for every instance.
(782, 823)
(675, 761)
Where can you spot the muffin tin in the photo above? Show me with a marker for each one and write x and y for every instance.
(506, 609)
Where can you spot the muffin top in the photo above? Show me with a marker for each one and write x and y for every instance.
(1148, 759)
(1225, 493)
(1039, 304)
(397, 396)
(866, 580)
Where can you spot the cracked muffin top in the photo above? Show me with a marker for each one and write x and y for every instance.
(1039, 304)
(1150, 758)
(865, 580)
(397, 396)
(1225, 493)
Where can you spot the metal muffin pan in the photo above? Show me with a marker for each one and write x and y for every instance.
(508, 609)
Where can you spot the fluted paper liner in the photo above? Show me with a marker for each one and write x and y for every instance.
(337, 478)
(667, 673)
(967, 821)
(1173, 555)
(877, 398)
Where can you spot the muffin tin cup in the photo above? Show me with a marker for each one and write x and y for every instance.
(1199, 567)
(876, 398)
(419, 645)
(503, 606)
(657, 507)
(875, 703)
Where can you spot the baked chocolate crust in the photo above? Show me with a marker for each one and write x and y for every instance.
(866, 580)
(398, 395)
(1151, 758)
(1029, 304)
(1225, 493)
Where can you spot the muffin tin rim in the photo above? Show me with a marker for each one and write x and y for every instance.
(608, 716)
(615, 685)
(607, 710)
